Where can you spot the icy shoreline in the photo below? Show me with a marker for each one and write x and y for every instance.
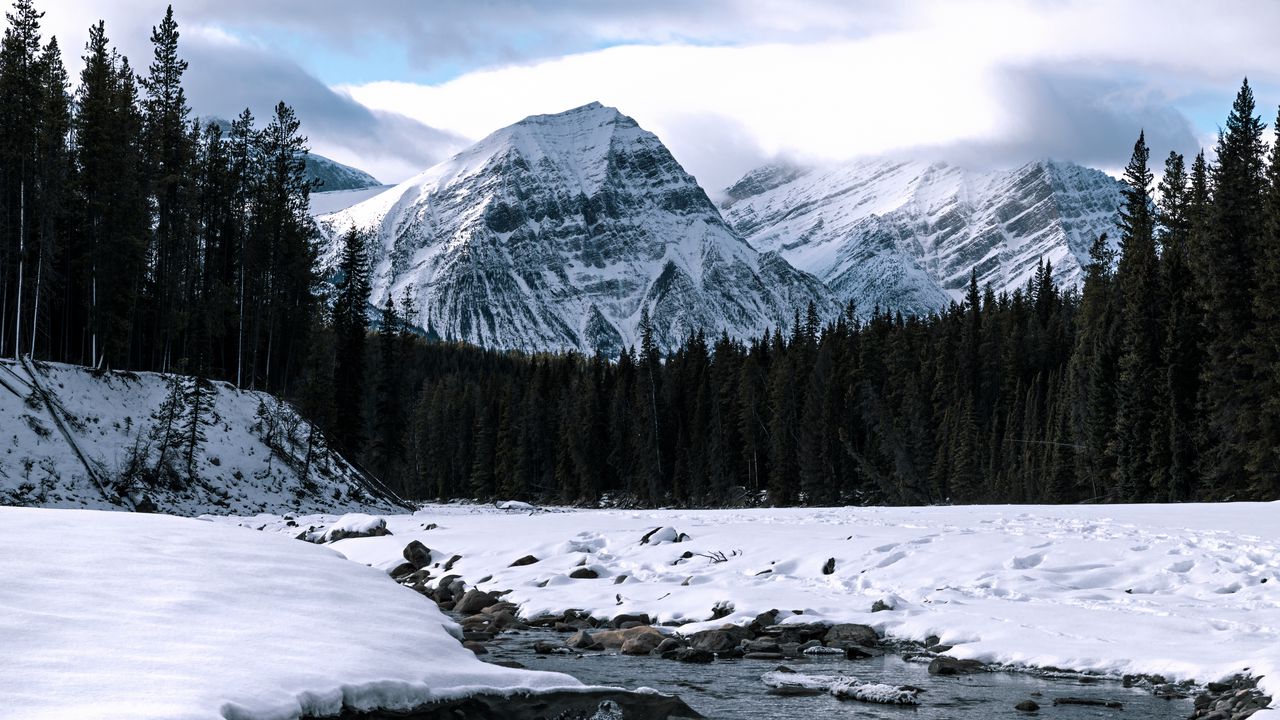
(128, 615)
(1186, 592)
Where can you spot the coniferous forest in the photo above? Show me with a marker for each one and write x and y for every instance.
(133, 236)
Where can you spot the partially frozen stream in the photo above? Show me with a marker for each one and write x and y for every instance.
(731, 689)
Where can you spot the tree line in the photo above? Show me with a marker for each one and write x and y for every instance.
(1158, 380)
(134, 236)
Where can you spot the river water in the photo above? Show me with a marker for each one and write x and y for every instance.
(731, 689)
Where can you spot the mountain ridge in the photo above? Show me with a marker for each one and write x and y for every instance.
(904, 235)
(555, 232)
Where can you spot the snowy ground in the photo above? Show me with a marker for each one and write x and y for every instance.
(131, 616)
(1185, 591)
(250, 458)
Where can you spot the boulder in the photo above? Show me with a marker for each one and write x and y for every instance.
(615, 639)
(694, 655)
(797, 632)
(475, 647)
(451, 561)
(829, 566)
(417, 554)
(642, 643)
(762, 645)
(860, 652)
(880, 606)
(944, 665)
(1027, 706)
(763, 620)
(402, 571)
(660, 535)
(641, 618)
(544, 647)
(583, 640)
(584, 573)
(473, 601)
(526, 560)
(669, 644)
(721, 639)
(851, 633)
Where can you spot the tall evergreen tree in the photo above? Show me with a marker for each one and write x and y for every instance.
(168, 149)
(350, 328)
(20, 119)
(111, 197)
(1263, 344)
(1137, 279)
(1228, 400)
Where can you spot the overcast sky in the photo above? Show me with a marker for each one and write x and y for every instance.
(393, 86)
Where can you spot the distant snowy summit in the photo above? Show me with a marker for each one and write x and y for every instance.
(555, 233)
(333, 176)
(906, 235)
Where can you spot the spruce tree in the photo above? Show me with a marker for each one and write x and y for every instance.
(1228, 397)
(111, 199)
(168, 154)
(1137, 278)
(1263, 348)
(387, 449)
(1173, 431)
(20, 95)
(350, 328)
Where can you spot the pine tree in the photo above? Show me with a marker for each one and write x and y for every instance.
(1093, 372)
(350, 328)
(387, 448)
(1263, 348)
(1173, 430)
(1137, 278)
(112, 201)
(1228, 400)
(198, 399)
(168, 152)
(650, 465)
(20, 106)
(51, 204)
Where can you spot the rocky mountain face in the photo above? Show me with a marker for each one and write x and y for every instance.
(905, 235)
(555, 232)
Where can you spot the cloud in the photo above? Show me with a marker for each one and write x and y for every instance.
(726, 83)
(227, 74)
(383, 142)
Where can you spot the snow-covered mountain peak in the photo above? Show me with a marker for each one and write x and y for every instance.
(555, 232)
(905, 234)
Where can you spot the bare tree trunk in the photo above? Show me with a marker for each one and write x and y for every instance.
(35, 310)
(22, 252)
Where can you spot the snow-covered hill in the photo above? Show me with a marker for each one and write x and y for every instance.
(116, 440)
(905, 235)
(554, 232)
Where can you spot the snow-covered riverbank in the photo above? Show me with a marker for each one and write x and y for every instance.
(1185, 591)
(132, 616)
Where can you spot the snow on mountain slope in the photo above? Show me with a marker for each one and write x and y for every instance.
(333, 175)
(554, 232)
(109, 440)
(323, 203)
(905, 235)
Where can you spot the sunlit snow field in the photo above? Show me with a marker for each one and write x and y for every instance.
(1185, 591)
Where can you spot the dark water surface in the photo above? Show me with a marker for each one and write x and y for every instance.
(731, 689)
